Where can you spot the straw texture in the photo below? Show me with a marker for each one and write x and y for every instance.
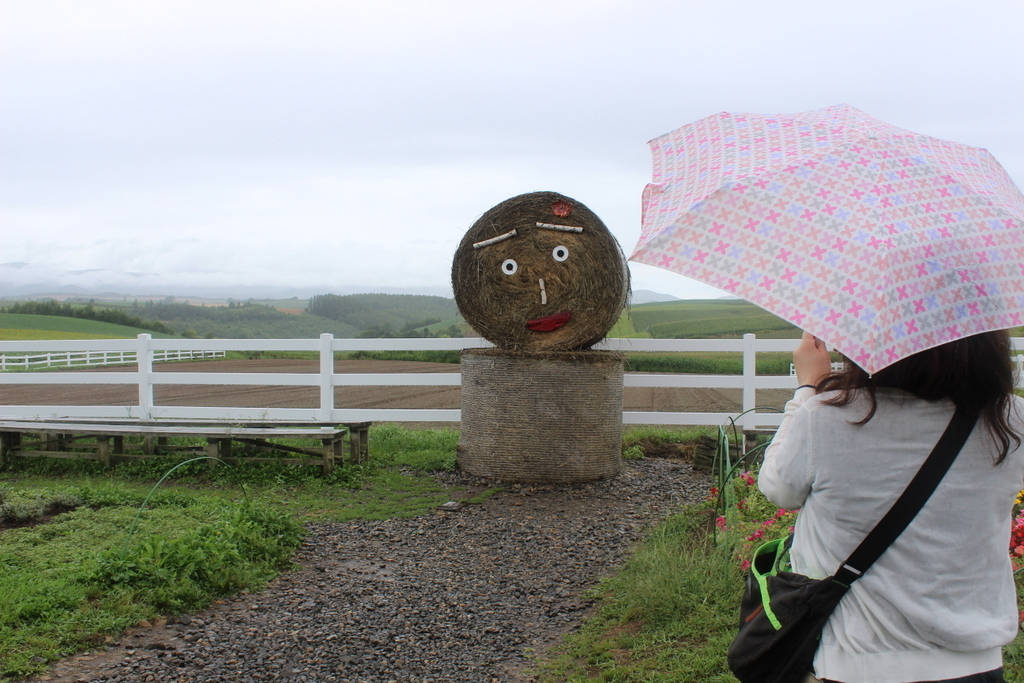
(541, 417)
(503, 281)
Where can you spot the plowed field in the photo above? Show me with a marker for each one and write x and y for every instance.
(634, 399)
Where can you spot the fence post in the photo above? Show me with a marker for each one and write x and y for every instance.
(749, 421)
(145, 360)
(326, 377)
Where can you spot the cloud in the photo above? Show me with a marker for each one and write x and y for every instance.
(317, 143)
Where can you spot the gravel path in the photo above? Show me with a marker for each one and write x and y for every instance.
(456, 596)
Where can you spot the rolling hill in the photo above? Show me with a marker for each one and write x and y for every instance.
(701, 319)
(18, 326)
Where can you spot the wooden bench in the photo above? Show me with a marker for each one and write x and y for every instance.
(105, 440)
(358, 432)
(750, 437)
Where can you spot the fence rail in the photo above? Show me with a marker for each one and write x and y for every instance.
(71, 359)
(147, 350)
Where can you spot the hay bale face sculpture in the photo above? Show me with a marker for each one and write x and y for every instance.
(540, 272)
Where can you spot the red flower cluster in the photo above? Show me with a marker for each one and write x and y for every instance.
(1017, 541)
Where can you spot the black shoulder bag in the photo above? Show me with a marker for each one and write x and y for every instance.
(782, 613)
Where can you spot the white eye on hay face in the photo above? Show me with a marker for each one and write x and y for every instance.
(540, 272)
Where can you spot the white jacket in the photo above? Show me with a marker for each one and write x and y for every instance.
(940, 602)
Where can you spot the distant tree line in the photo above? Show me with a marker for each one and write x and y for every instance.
(389, 315)
(240, 320)
(234, 311)
(364, 315)
(87, 312)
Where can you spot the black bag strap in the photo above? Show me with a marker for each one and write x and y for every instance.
(912, 500)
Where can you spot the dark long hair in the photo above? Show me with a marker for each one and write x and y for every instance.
(973, 372)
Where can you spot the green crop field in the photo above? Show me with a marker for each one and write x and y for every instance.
(701, 319)
(20, 327)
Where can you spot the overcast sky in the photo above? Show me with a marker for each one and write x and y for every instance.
(171, 146)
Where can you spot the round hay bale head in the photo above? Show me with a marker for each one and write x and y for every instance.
(553, 417)
(540, 272)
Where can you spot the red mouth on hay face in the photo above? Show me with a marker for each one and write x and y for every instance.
(550, 322)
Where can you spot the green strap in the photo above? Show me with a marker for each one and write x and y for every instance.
(777, 551)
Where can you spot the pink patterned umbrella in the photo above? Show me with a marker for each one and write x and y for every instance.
(877, 240)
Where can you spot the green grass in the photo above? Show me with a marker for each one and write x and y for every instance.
(15, 325)
(438, 356)
(706, 327)
(32, 335)
(670, 614)
(66, 585)
(701, 319)
(667, 616)
(396, 482)
(624, 327)
(707, 363)
(633, 435)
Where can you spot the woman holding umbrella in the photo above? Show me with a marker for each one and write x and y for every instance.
(940, 603)
(902, 251)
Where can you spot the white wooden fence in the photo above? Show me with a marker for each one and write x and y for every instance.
(71, 359)
(147, 349)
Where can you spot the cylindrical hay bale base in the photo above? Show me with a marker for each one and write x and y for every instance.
(553, 417)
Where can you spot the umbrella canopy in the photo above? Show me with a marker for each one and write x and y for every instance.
(877, 240)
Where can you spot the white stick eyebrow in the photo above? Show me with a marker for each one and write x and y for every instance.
(494, 240)
(560, 228)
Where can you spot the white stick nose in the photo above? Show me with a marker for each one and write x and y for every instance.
(543, 293)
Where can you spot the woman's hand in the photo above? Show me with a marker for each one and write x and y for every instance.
(811, 361)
